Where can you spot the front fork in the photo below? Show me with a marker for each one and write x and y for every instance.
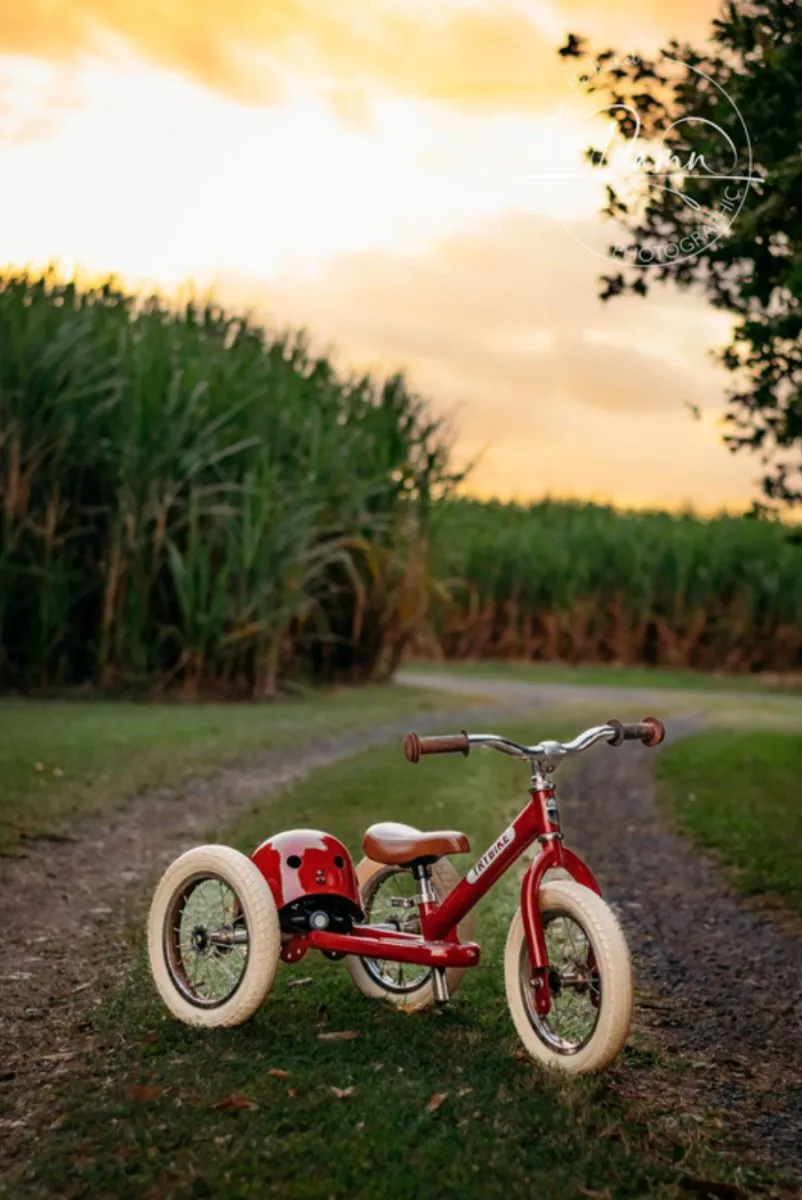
(553, 855)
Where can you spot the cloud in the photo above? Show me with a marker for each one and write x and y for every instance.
(479, 54)
(502, 329)
(508, 309)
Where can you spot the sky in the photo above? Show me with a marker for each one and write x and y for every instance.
(404, 179)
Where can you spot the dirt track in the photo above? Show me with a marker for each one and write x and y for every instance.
(723, 978)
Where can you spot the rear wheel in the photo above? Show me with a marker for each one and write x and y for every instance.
(589, 978)
(213, 937)
(386, 893)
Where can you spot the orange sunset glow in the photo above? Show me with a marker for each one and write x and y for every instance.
(405, 180)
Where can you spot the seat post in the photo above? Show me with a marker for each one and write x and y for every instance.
(427, 895)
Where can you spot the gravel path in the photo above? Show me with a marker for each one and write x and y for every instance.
(722, 979)
(520, 692)
(726, 978)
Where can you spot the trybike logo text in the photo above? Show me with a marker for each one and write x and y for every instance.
(490, 855)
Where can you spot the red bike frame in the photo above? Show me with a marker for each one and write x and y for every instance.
(438, 944)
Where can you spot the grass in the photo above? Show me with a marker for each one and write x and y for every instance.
(739, 798)
(161, 1111)
(63, 762)
(606, 675)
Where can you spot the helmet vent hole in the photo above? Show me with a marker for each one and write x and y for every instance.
(294, 860)
(339, 861)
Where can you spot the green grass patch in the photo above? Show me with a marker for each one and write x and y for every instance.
(62, 762)
(739, 795)
(162, 1110)
(608, 675)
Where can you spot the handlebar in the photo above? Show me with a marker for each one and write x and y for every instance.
(650, 731)
(415, 746)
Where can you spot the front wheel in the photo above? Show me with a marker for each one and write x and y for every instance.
(213, 937)
(589, 977)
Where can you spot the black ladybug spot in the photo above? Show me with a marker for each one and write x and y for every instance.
(294, 860)
(339, 861)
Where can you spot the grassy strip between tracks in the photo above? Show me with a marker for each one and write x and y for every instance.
(62, 762)
(437, 1104)
(738, 795)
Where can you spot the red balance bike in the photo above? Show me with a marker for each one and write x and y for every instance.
(220, 922)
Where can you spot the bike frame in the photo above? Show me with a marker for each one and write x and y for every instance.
(438, 944)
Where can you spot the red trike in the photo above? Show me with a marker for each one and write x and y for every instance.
(220, 922)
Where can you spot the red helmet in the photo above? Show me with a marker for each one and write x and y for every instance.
(312, 880)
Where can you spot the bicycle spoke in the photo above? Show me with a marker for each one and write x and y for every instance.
(204, 970)
(380, 910)
(573, 1015)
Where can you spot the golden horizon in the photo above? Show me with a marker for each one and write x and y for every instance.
(405, 208)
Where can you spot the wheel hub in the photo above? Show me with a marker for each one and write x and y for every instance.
(200, 939)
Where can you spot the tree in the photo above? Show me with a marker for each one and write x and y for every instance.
(730, 109)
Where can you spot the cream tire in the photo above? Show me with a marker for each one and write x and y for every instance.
(258, 910)
(444, 879)
(611, 954)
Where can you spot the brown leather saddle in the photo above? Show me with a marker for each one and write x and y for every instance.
(395, 844)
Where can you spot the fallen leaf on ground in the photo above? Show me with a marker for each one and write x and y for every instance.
(342, 1035)
(144, 1093)
(464, 1091)
(301, 982)
(292, 1093)
(235, 1100)
(277, 1073)
(342, 1093)
(435, 1102)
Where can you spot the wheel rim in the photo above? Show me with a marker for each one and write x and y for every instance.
(395, 977)
(574, 984)
(206, 941)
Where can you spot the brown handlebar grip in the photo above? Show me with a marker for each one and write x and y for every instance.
(650, 731)
(415, 747)
(656, 731)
